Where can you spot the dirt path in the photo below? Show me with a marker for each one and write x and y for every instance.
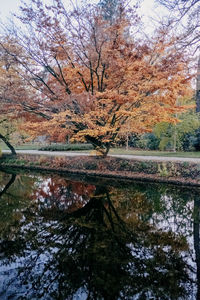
(138, 157)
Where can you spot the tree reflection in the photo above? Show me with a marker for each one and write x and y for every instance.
(15, 195)
(8, 184)
(78, 239)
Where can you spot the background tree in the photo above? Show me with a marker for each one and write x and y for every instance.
(186, 15)
(5, 86)
(172, 136)
(15, 94)
(111, 9)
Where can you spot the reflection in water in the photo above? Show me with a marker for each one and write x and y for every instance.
(9, 183)
(63, 239)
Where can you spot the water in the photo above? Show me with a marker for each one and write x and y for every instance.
(83, 238)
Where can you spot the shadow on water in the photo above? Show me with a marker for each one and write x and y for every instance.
(66, 239)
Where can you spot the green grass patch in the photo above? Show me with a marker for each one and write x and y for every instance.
(28, 147)
(122, 151)
(21, 147)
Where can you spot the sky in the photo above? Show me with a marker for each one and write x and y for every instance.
(8, 6)
(148, 9)
(12, 5)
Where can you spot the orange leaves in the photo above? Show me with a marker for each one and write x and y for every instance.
(97, 78)
(136, 89)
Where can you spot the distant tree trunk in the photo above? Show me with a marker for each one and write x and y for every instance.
(127, 135)
(175, 136)
(68, 139)
(12, 149)
(198, 88)
(127, 140)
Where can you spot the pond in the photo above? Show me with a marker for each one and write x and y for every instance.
(86, 238)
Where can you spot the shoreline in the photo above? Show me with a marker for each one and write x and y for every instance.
(182, 174)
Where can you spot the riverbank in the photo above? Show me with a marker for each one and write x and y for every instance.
(175, 172)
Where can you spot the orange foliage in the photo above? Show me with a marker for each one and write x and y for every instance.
(96, 77)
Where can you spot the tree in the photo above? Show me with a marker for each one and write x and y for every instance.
(4, 86)
(14, 92)
(110, 9)
(186, 17)
(5, 140)
(92, 80)
(198, 87)
(5, 130)
(172, 136)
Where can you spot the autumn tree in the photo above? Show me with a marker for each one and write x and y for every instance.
(90, 78)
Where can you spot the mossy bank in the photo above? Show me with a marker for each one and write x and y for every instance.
(183, 173)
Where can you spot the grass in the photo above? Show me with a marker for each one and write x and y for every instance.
(52, 147)
(123, 151)
(21, 147)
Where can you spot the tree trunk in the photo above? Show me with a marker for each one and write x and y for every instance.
(103, 148)
(127, 140)
(12, 149)
(198, 88)
(175, 137)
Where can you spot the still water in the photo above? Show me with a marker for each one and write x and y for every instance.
(81, 238)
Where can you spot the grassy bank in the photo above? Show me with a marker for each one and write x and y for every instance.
(171, 172)
(155, 153)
